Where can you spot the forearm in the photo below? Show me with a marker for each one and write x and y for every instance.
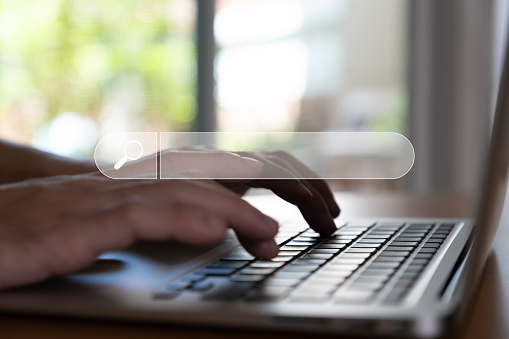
(21, 163)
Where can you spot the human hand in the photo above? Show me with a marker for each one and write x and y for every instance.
(59, 225)
(277, 171)
(295, 183)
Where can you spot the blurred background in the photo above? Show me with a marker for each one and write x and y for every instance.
(73, 71)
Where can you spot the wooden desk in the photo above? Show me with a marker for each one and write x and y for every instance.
(489, 318)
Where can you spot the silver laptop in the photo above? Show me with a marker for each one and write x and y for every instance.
(387, 277)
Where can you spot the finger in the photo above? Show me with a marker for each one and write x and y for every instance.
(315, 210)
(210, 197)
(267, 249)
(147, 221)
(184, 224)
(318, 184)
(212, 164)
(122, 225)
(287, 186)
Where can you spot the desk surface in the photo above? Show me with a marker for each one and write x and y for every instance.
(488, 319)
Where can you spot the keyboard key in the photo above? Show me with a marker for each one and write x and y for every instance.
(238, 255)
(424, 255)
(414, 233)
(431, 245)
(267, 264)
(229, 291)
(281, 282)
(247, 278)
(288, 253)
(384, 233)
(361, 250)
(281, 258)
(378, 272)
(300, 243)
(338, 241)
(376, 236)
(228, 264)
(426, 225)
(419, 262)
(366, 284)
(390, 224)
(321, 280)
(382, 258)
(355, 233)
(331, 246)
(364, 224)
(408, 275)
(371, 241)
(408, 239)
(427, 250)
(355, 255)
(370, 245)
(333, 267)
(299, 268)
(293, 248)
(387, 253)
(322, 251)
(414, 268)
(290, 275)
(399, 248)
(447, 225)
(404, 243)
(337, 275)
(216, 271)
(317, 256)
(257, 271)
(348, 261)
(382, 265)
(304, 261)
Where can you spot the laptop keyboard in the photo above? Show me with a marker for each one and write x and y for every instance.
(358, 264)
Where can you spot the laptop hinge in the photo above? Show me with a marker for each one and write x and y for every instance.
(454, 279)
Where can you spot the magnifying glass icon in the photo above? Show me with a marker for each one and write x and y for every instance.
(126, 157)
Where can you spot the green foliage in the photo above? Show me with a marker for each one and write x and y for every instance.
(70, 53)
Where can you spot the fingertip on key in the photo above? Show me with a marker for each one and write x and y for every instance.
(272, 224)
(334, 209)
(267, 249)
(328, 226)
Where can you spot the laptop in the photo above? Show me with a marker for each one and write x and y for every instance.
(387, 277)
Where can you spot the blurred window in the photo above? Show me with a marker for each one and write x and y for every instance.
(311, 65)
